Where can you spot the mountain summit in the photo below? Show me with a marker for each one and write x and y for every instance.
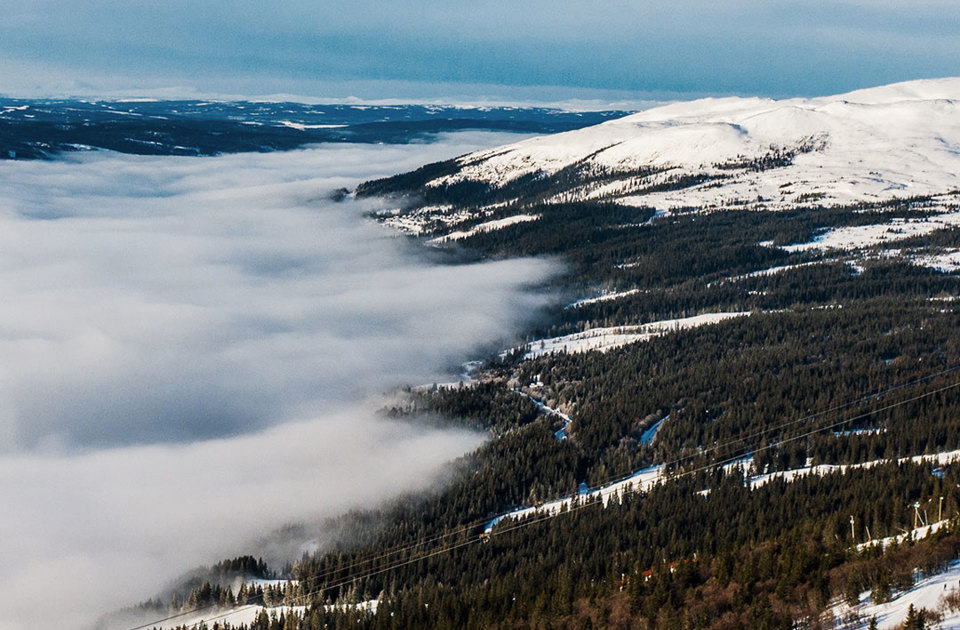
(873, 146)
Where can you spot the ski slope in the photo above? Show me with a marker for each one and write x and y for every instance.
(939, 459)
(645, 479)
(927, 593)
(641, 481)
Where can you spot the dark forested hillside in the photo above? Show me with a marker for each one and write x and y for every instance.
(840, 357)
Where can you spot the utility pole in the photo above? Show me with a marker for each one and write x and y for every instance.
(940, 515)
(853, 531)
(916, 513)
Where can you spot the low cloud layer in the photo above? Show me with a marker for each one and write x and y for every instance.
(185, 348)
(87, 534)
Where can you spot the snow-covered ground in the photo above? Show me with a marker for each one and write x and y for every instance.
(861, 236)
(892, 142)
(606, 297)
(648, 436)
(248, 614)
(914, 534)
(939, 459)
(603, 339)
(947, 262)
(486, 226)
(646, 478)
(640, 481)
(772, 271)
(234, 616)
(927, 593)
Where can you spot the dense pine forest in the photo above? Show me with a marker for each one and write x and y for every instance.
(842, 358)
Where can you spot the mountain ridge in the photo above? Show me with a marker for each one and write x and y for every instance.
(880, 145)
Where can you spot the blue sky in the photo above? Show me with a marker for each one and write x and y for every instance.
(431, 49)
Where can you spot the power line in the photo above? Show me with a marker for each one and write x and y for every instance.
(577, 506)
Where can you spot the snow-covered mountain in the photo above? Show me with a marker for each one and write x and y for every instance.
(900, 141)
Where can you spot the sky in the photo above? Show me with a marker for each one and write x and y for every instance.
(454, 49)
(192, 355)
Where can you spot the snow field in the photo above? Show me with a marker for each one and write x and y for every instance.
(606, 297)
(234, 616)
(487, 226)
(862, 236)
(248, 614)
(892, 142)
(604, 339)
(939, 459)
(927, 593)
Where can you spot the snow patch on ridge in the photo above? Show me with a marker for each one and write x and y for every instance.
(606, 297)
(487, 226)
(946, 262)
(603, 339)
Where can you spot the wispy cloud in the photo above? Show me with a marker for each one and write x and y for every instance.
(185, 347)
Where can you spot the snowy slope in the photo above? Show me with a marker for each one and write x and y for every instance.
(940, 459)
(927, 593)
(893, 142)
(645, 479)
(234, 616)
(248, 614)
(603, 339)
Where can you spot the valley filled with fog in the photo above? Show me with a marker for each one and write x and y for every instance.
(190, 351)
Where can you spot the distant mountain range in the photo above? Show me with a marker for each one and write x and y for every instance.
(43, 129)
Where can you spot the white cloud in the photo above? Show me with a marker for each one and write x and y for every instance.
(185, 346)
(86, 534)
(178, 298)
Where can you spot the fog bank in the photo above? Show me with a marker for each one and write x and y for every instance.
(186, 346)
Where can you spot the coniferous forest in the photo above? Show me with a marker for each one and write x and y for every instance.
(841, 358)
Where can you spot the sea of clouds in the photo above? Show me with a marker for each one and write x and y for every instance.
(188, 351)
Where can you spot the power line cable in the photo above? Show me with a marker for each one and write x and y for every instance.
(577, 506)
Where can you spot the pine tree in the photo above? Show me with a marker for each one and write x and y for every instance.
(914, 620)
